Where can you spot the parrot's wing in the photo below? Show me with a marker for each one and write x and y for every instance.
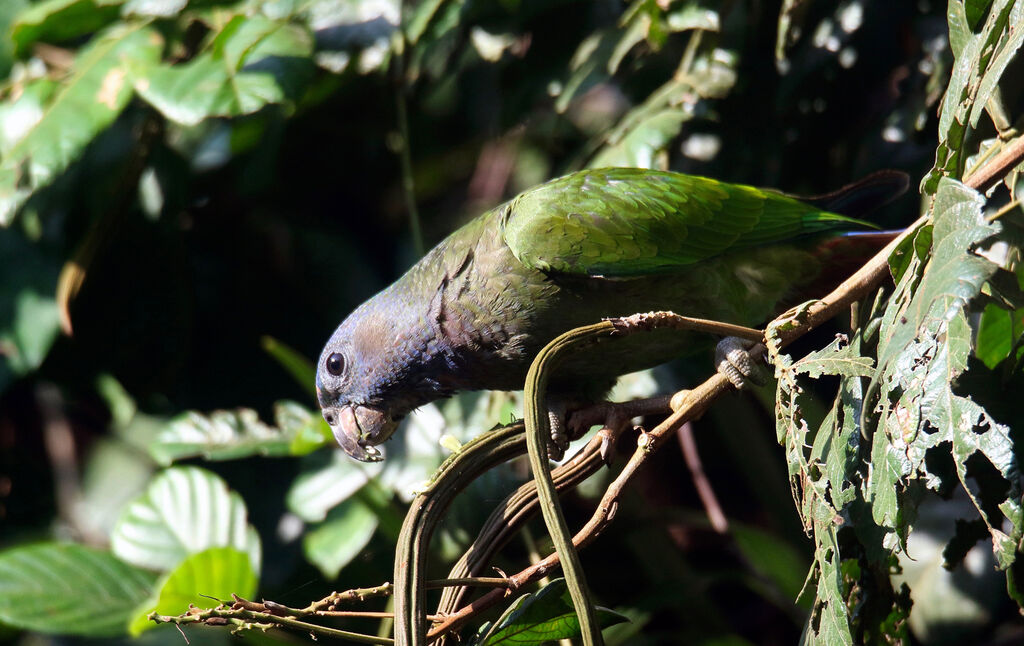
(622, 222)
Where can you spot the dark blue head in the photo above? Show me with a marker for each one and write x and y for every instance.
(374, 371)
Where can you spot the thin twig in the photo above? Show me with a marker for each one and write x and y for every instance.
(245, 619)
(700, 479)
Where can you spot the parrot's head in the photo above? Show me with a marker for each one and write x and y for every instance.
(372, 373)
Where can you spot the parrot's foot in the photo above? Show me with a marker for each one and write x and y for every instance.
(559, 435)
(614, 418)
(733, 361)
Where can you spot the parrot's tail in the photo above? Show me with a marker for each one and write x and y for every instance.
(863, 196)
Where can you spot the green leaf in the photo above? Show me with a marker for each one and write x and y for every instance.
(154, 8)
(112, 476)
(217, 572)
(8, 11)
(252, 62)
(635, 31)
(974, 59)
(999, 333)
(772, 558)
(298, 366)
(29, 322)
(1006, 50)
(545, 616)
(416, 24)
(320, 486)
(57, 21)
(52, 127)
(185, 510)
(69, 589)
(642, 143)
(588, 67)
(234, 434)
(693, 16)
(334, 543)
(975, 11)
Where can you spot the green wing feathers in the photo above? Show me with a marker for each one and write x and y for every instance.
(621, 222)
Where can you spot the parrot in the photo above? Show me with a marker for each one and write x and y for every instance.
(593, 244)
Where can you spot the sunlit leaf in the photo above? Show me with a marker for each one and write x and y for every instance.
(185, 510)
(344, 533)
(252, 62)
(962, 103)
(215, 573)
(642, 144)
(233, 434)
(52, 129)
(57, 21)
(69, 589)
(325, 481)
(155, 8)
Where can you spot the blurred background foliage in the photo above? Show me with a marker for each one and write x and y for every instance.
(194, 192)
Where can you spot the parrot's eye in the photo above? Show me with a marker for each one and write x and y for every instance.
(336, 364)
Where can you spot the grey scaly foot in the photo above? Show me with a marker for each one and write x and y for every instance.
(559, 434)
(733, 360)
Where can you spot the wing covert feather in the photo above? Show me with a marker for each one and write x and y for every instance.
(622, 222)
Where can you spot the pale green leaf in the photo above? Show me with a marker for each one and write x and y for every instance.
(214, 573)
(154, 8)
(1006, 51)
(341, 537)
(229, 435)
(185, 510)
(640, 146)
(28, 312)
(692, 16)
(326, 481)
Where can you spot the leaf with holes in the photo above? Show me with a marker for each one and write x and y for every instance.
(923, 349)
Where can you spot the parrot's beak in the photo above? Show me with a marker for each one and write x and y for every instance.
(358, 429)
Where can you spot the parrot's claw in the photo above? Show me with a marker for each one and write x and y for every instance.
(733, 361)
(559, 435)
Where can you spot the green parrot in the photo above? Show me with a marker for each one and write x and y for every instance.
(473, 312)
